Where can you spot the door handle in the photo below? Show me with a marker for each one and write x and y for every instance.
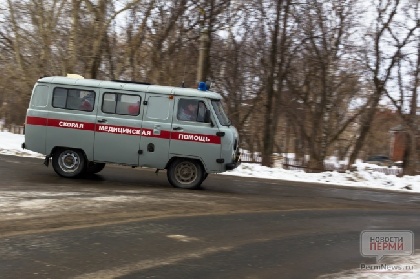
(156, 130)
(101, 120)
(177, 128)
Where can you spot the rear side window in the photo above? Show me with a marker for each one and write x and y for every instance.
(40, 96)
(122, 104)
(73, 99)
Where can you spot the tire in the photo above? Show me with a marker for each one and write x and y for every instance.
(69, 163)
(185, 173)
(94, 167)
(204, 177)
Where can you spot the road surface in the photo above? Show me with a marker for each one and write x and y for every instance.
(130, 223)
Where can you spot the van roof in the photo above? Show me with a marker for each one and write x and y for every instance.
(169, 90)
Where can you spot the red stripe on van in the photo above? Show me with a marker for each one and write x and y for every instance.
(122, 130)
(149, 133)
(68, 124)
(39, 121)
(196, 137)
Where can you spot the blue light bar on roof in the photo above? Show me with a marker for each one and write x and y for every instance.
(202, 86)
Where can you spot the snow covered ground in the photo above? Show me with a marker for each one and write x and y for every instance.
(10, 144)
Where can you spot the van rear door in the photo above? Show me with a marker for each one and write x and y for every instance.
(37, 119)
(118, 127)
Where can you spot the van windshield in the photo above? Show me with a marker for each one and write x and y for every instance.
(220, 112)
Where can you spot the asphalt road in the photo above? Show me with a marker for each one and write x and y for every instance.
(130, 223)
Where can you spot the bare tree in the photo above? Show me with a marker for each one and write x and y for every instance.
(407, 100)
(236, 57)
(103, 14)
(286, 70)
(322, 85)
(384, 49)
(274, 24)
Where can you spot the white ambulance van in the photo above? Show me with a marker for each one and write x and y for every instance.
(82, 124)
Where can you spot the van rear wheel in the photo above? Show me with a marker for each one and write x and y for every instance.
(69, 163)
(185, 173)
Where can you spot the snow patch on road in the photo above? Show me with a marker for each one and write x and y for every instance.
(407, 267)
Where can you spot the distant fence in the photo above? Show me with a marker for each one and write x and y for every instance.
(250, 158)
(14, 129)
(292, 164)
(389, 171)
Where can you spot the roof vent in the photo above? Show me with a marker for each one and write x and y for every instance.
(75, 76)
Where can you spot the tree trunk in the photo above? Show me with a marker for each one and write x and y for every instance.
(73, 38)
(365, 125)
(268, 141)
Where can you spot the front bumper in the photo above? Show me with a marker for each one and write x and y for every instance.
(232, 166)
(236, 162)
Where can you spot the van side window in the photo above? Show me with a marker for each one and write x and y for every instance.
(73, 99)
(191, 110)
(158, 107)
(39, 97)
(122, 104)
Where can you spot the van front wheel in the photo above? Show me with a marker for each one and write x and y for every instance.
(185, 173)
(68, 162)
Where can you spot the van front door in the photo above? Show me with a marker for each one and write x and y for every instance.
(192, 137)
(118, 127)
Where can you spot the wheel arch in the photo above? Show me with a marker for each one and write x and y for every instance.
(198, 159)
(58, 148)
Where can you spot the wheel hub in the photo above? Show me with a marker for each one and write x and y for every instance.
(69, 161)
(186, 172)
